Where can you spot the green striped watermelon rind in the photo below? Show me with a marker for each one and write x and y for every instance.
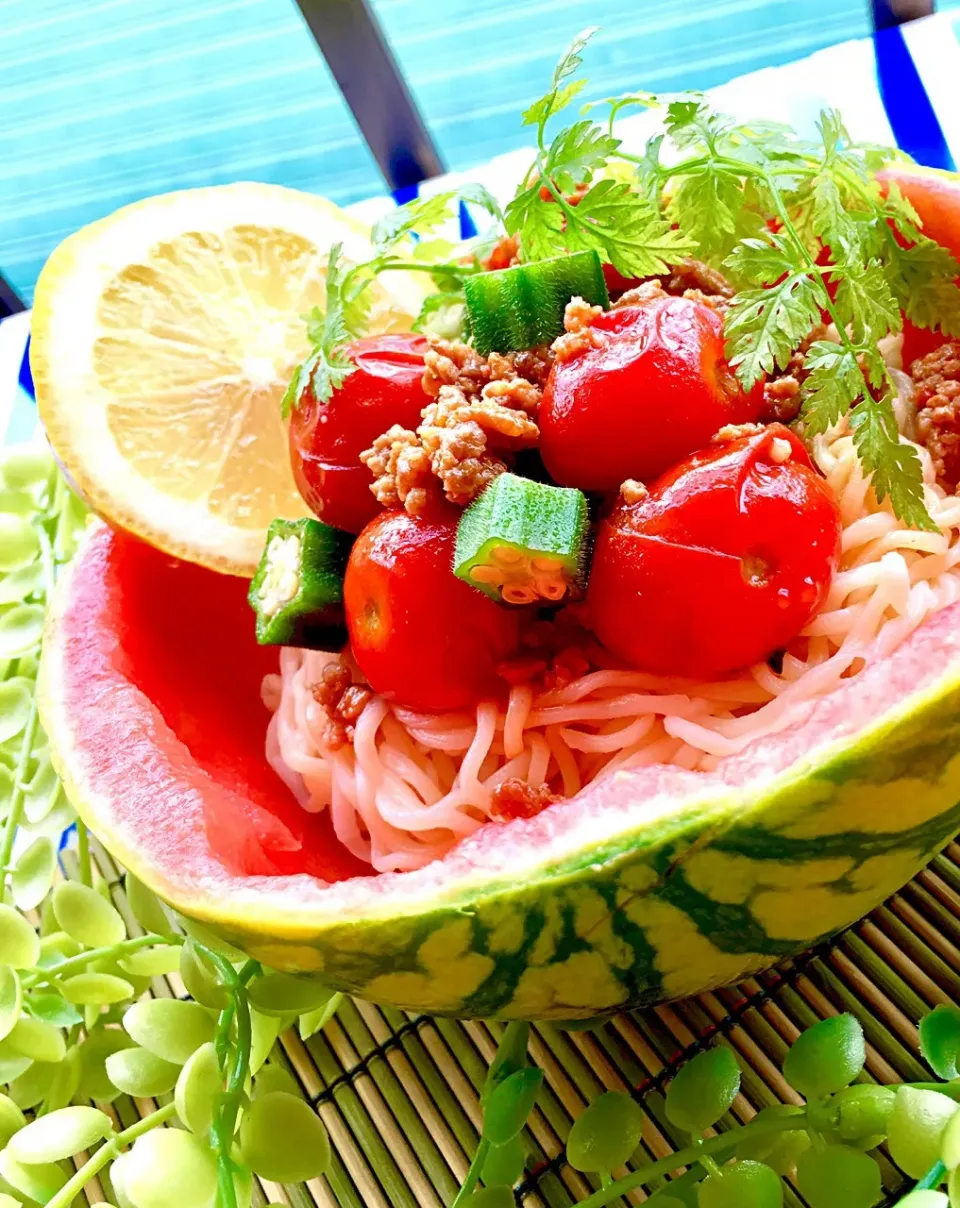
(652, 885)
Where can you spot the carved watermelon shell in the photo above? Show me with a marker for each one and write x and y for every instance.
(655, 884)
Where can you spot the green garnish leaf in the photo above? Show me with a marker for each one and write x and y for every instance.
(829, 218)
(923, 280)
(327, 366)
(626, 229)
(687, 119)
(866, 305)
(559, 98)
(561, 92)
(765, 325)
(539, 224)
(422, 216)
(479, 195)
(710, 202)
(613, 217)
(577, 152)
(895, 467)
(833, 385)
(617, 104)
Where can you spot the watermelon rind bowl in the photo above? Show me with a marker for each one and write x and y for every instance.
(649, 885)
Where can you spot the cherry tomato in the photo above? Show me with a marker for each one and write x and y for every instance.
(326, 439)
(656, 388)
(617, 283)
(723, 562)
(421, 636)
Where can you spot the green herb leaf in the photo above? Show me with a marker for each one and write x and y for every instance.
(764, 326)
(894, 466)
(540, 112)
(830, 220)
(478, 195)
(421, 216)
(328, 366)
(710, 203)
(833, 384)
(923, 278)
(688, 119)
(625, 229)
(561, 93)
(765, 259)
(866, 305)
(577, 152)
(539, 224)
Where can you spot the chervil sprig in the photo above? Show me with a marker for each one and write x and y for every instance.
(329, 330)
(399, 241)
(806, 231)
(613, 217)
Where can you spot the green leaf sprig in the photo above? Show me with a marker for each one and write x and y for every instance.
(823, 1146)
(344, 316)
(612, 216)
(401, 243)
(805, 230)
(802, 227)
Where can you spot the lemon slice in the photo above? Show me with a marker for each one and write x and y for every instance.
(163, 337)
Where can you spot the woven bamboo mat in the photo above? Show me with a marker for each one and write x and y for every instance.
(399, 1093)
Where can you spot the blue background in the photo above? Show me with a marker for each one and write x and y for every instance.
(106, 101)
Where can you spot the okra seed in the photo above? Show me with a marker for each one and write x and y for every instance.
(546, 563)
(506, 555)
(486, 574)
(282, 580)
(515, 594)
(551, 589)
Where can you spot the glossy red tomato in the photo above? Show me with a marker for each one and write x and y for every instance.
(722, 564)
(656, 388)
(420, 635)
(326, 439)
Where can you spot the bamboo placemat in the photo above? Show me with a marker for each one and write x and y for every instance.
(399, 1093)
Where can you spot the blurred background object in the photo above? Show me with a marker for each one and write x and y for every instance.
(106, 101)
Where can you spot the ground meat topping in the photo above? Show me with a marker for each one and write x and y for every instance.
(481, 411)
(690, 275)
(937, 379)
(453, 363)
(632, 491)
(342, 700)
(515, 798)
(783, 391)
(578, 334)
(401, 469)
(557, 652)
(641, 295)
